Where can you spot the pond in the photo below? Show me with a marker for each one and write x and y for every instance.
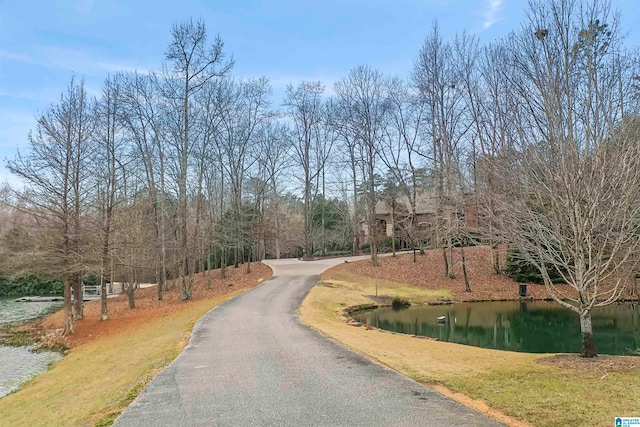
(19, 364)
(15, 312)
(532, 327)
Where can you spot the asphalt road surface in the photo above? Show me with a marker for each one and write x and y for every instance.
(251, 363)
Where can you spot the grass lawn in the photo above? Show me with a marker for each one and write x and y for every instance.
(512, 387)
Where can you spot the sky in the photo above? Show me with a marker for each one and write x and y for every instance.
(42, 42)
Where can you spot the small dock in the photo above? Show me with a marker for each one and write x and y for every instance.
(85, 297)
(40, 299)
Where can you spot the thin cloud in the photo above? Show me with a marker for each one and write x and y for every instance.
(83, 7)
(76, 60)
(20, 57)
(491, 13)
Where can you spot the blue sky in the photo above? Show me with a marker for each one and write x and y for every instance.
(43, 41)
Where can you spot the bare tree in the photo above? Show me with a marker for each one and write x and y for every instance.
(275, 148)
(306, 110)
(244, 107)
(569, 194)
(109, 162)
(349, 156)
(401, 152)
(436, 75)
(56, 175)
(144, 121)
(364, 106)
(194, 63)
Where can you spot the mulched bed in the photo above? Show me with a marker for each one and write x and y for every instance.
(604, 363)
(428, 273)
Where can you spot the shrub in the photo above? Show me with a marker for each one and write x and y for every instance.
(31, 284)
(399, 302)
(91, 280)
(522, 271)
(385, 244)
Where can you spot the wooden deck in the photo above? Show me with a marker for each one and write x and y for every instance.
(86, 297)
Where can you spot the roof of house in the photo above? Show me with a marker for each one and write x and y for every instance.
(425, 203)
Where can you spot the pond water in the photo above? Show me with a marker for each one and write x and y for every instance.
(15, 312)
(532, 327)
(19, 364)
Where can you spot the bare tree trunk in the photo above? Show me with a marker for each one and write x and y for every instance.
(104, 315)
(249, 261)
(588, 346)
(467, 287)
(68, 312)
(393, 228)
(277, 236)
(223, 263)
(191, 278)
(131, 295)
(78, 303)
(445, 258)
(209, 278)
(132, 283)
(449, 264)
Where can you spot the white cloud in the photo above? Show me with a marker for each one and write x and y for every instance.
(491, 13)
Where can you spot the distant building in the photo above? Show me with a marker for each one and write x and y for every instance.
(400, 219)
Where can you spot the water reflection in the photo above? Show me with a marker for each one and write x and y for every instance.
(532, 327)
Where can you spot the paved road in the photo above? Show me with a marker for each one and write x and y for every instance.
(250, 362)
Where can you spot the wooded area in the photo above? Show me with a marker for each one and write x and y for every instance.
(529, 141)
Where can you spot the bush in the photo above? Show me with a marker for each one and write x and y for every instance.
(399, 302)
(522, 271)
(385, 244)
(91, 280)
(31, 284)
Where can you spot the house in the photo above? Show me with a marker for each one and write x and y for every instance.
(416, 221)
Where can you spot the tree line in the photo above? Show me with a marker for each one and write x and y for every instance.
(529, 141)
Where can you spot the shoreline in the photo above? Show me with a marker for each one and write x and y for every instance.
(516, 385)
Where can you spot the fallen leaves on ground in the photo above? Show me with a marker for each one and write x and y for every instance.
(603, 363)
(147, 305)
(428, 273)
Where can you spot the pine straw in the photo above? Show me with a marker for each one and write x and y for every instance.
(603, 363)
(147, 305)
(428, 273)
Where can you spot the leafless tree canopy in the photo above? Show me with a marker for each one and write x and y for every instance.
(528, 142)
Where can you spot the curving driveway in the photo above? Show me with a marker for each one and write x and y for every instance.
(250, 362)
